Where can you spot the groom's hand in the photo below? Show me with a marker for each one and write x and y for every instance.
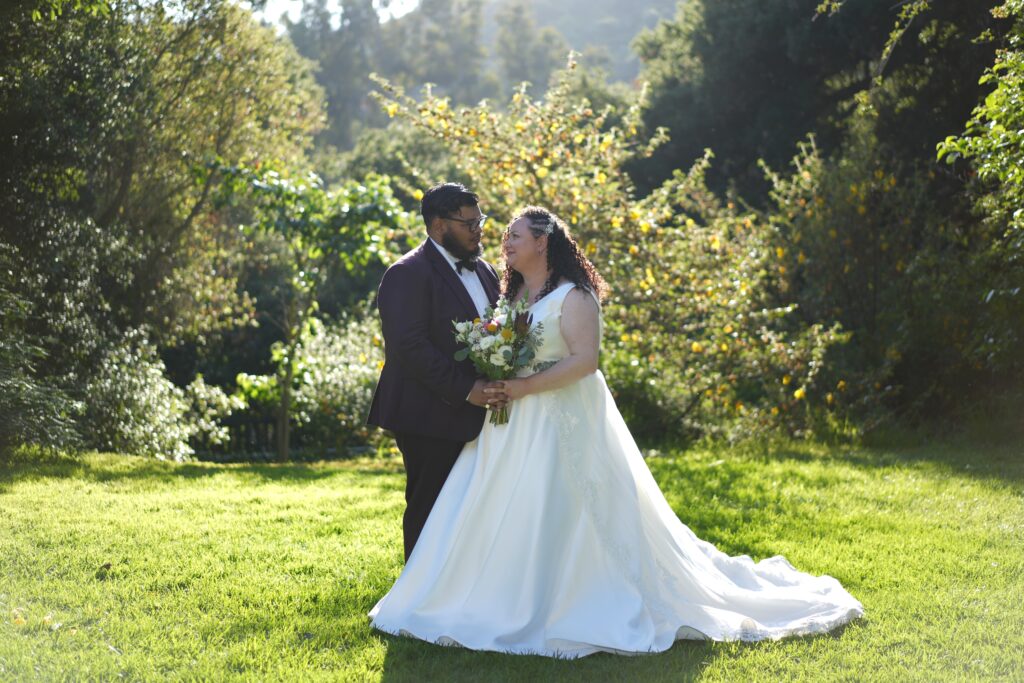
(495, 391)
(487, 394)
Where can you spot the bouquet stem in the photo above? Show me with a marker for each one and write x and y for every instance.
(499, 416)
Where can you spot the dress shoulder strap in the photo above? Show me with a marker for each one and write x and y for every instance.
(569, 286)
(558, 294)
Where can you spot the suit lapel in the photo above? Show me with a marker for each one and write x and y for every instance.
(442, 268)
(490, 282)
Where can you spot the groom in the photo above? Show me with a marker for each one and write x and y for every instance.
(432, 403)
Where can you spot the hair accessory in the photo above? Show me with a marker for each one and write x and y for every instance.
(549, 227)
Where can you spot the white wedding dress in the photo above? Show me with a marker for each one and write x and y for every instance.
(551, 537)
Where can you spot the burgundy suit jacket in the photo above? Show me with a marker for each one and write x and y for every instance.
(422, 388)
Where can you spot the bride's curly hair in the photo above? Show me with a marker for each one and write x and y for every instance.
(565, 260)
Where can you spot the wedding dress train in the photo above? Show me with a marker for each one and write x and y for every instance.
(551, 537)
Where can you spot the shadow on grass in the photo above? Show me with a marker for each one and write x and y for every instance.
(127, 468)
(990, 449)
(986, 460)
(411, 660)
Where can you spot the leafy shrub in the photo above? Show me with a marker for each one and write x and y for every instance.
(340, 365)
(208, 406)
(357, 226)
(32, 410)
(132, 407)
(861, 241)
(336, 365)
(993, 145)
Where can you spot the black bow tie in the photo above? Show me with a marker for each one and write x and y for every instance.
(468, 264)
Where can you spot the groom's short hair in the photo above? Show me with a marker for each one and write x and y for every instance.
(445, 200)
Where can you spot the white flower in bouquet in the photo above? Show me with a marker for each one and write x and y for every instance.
(500, 343)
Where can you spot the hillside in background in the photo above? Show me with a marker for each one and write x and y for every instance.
(469, 50)
(590, 26)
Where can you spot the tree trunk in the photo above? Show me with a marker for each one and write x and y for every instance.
(291, 341)
(283, 423)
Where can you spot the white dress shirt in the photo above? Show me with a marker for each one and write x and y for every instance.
(470, 280)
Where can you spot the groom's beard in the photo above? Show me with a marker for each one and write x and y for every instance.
(456, 249)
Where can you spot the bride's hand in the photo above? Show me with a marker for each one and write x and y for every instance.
(515, 388)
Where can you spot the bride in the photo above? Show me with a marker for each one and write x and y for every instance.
(551, 537)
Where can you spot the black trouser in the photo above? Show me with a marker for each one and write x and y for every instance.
(428, 460)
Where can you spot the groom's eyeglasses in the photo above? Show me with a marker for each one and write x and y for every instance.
(471, 223)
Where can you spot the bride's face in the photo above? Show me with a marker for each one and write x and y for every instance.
(522, 250)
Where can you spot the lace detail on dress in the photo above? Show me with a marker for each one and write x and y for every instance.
(630, 560)
(583, 477)
(541, 366)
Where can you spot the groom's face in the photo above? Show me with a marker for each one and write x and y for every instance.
(461, 234)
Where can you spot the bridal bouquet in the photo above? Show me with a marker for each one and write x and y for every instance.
(500, 343)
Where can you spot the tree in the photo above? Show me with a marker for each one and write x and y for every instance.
(104, 119)
(751, 79)
(438, 43)
(403, 153)
(133, 101)
(601, 30)
(993, 145)
(357, 224)
(32, 410)
(526, 53)
(345, 55)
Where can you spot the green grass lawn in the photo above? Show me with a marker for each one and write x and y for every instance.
(115, 566)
